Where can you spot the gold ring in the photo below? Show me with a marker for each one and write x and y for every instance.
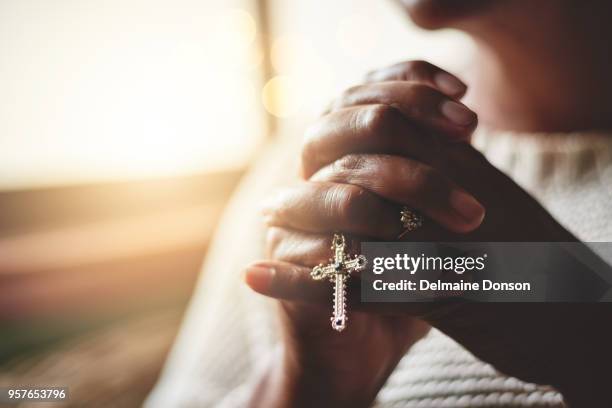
(411, 220)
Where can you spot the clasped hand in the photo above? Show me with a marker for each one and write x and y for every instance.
(400, 139)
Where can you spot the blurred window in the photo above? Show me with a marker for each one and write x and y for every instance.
(95, 90)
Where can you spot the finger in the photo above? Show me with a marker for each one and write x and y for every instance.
(311, 249)
(421, 72)
(303, 248)
(282, 280)
(364, 129)
(408, 182)
(330, 207)
(287, 281)
(298, 247)
(422, 104)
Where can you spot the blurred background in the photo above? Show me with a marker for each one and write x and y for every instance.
(125, 125)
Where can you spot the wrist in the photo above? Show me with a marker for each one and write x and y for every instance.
(286, 384)
(312, 382)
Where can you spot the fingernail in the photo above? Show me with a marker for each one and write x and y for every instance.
(449, 84)
(467, 207)
(457, 113)
(259, 277)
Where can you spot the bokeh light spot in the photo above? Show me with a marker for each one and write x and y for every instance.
(280, 96)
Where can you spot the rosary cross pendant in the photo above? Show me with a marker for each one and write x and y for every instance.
(338, 271)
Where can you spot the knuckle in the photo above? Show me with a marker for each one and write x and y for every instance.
(422, 92)
(402, 71)
(376, 119)
(280, 208)
(387, 168)
(347, 164)
(416, 69)
(294, 278)
(425, 180)
(320, 250)
(348, 94)
(349, 202)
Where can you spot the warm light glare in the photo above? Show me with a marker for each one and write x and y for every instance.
(117, 89)
(327, 47)
(232, 38)
(236, 27)
(356, 35)
(125, 88)
(292, 53)
(311, 77)
(280, 96)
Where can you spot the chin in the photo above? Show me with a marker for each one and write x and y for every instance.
(434, 14)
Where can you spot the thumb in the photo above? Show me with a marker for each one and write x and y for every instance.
(286, 281)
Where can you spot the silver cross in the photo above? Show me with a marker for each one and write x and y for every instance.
(338, 271)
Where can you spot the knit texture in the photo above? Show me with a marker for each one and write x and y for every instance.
(228, 328)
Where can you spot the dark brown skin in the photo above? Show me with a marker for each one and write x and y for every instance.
(402, 139)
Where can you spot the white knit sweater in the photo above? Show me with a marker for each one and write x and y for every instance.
(228, 327)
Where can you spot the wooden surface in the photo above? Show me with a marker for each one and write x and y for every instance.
(94, 280)
(114, 366)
